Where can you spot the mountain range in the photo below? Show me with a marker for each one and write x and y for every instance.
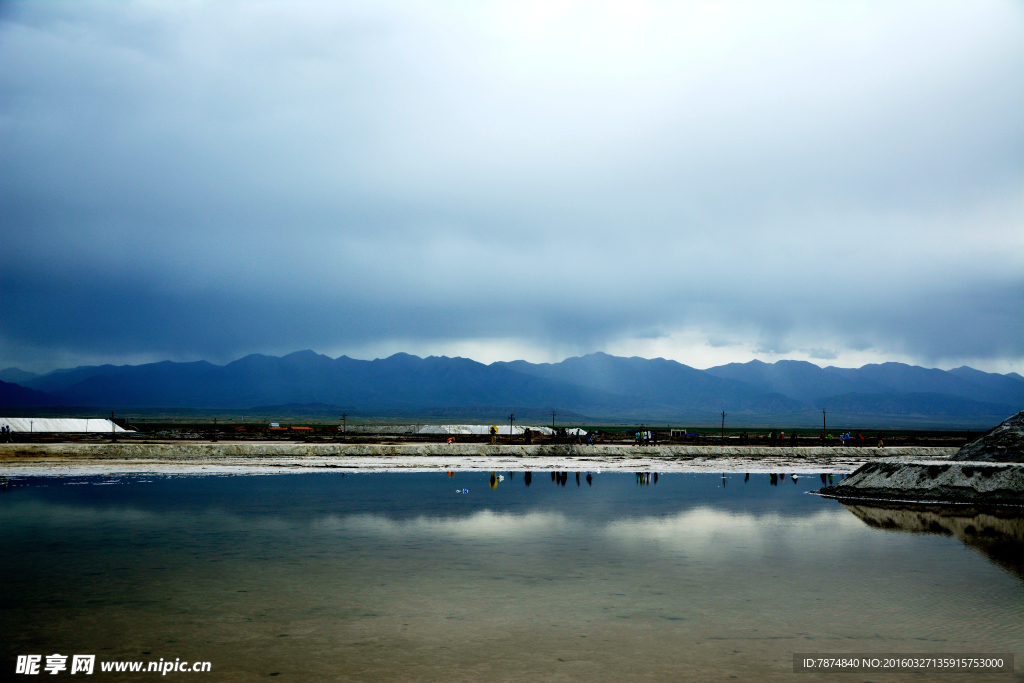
(598, 385)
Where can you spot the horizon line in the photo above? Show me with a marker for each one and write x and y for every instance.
(593, 353)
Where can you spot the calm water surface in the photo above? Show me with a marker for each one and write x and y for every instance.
(399, 577)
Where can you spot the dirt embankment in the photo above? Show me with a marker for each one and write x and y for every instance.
(270, 449)
(99, 458)
(934, 481)
(989, 470)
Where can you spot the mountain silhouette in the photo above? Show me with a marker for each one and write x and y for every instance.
(596, 385)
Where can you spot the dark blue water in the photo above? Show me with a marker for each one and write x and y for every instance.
(401, 577)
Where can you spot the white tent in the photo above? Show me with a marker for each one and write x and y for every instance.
(63, 425)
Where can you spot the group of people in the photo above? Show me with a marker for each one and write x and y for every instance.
(844, 438)
(5, 433)
(645, 437)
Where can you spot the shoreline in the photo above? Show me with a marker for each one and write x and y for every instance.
(192, 458)
(944, 481)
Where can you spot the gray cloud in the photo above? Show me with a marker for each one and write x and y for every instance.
(213, 179)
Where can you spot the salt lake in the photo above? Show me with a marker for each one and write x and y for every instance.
(504, 576)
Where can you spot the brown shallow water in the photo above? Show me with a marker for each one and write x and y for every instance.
(385, 577)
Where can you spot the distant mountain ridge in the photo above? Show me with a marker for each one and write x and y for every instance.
(809, 383)
(597, 385)
(16, 375)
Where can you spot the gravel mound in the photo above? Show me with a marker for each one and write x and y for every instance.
(1005, 443)
(936, 480)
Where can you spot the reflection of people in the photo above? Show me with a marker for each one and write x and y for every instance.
(528, 477)
(590, 480)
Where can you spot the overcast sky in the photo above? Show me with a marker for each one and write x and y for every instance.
(708, 182)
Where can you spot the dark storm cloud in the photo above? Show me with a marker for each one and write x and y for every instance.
(211, 179)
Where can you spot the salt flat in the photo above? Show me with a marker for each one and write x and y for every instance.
(76, 459)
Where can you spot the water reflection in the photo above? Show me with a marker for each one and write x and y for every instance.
(998, 535)
(394, 577)
(647, 478)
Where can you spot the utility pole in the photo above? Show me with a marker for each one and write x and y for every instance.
(553, 419)
(343, 416)
(214, 429)
(511, 419)
(723, 426)
(823, 429)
